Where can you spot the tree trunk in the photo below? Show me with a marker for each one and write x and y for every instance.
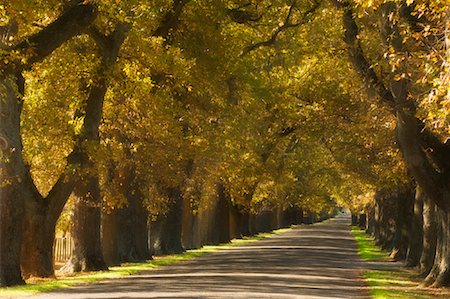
(166, 230)
(277, 219)
(244, 223)
(404, 207)
(298, 216)
(37, 243)
(440, 273)
(187, 234)
(415, 245)
(263, 221)
(234, 222)
(219, 225)
(362, 221)
(371, 221)
(354, 219)
(429, 236)
(124, 233)
(12, 187)
(87, 254)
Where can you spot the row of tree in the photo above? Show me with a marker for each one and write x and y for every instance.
(410, 218)
(213, 120)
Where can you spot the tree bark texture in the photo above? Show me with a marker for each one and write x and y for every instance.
(12, 187)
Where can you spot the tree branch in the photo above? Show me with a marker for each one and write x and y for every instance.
(109, 48)
(170, 21)
(358, 59)
(71, 23)
(286, 25)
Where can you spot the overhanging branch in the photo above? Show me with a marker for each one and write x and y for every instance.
(287, 23)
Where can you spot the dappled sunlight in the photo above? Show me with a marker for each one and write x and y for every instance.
(291, 265)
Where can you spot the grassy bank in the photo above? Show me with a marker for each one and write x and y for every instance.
(35, 286)
(388, 280)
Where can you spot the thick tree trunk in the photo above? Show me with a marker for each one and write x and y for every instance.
(252, 224)
(298, 216)
(263, 222)
(440, 273)
(429, 236)
(415, 245)
(187, 234)
(37, 244)
(386, 219)
(371, 220)
(354, 219)
(87, 254)
(287, 217)
(277, 218)
(201, 227)
(234, 222)
(362, 221)
(312, 218)
(377, 217)
(294, 216)
(166, 231)
(111, 223)
(124, 233)
(13, 191)
(244, 223)
(219, 225)
(404, 207)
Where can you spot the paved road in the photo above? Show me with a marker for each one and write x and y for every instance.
(312, 262)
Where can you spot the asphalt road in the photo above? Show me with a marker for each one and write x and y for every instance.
(312, 262)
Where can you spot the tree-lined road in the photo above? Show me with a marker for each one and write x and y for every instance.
(311, 262)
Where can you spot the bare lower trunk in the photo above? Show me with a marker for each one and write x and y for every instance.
(12, 188)
(440, 272)
(87, 254)
(362, 221)
(311, 218)
(298, 216)
(234, 222)
(429, 237)
(219, 225)
(166, 231)
(263, 221)
(371, 221)
(187, 234)
(404, 207)
(37, 244)
(124, 234)
(244, 223)
(415, 245)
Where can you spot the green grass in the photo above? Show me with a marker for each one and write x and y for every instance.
(367, 248)
(388, 282)
(35, 286)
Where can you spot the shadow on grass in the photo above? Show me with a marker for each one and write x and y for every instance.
(388, 280)
(35, 286)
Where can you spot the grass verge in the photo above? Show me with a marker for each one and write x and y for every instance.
(387, 280)
(35, 286)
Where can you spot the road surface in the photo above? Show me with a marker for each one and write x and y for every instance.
(312, 262)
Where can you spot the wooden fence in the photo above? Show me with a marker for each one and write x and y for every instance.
(62, 249)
